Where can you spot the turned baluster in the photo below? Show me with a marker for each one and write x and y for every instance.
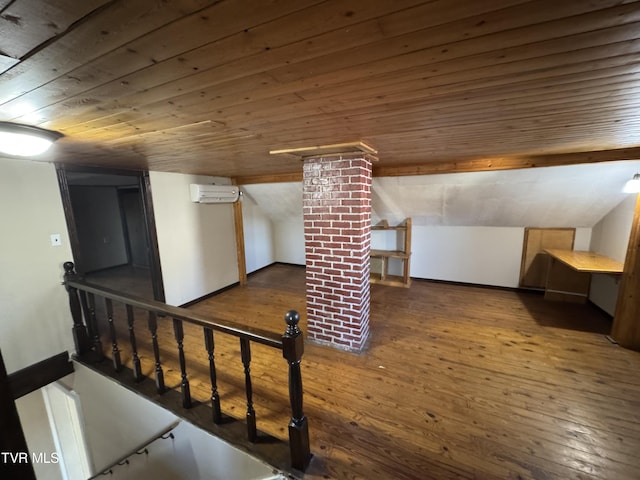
(137, 369)
(153, 328)
(292, 350)
(115, 352)
(184, 384)
(245, 350)
(80, 336)
(215, 398)
(95, 330)
(85, 313)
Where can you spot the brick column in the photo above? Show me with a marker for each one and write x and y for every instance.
(337, 231)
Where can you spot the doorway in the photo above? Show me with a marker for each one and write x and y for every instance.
(111, 228)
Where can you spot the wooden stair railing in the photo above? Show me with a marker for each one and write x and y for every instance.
(88, 343)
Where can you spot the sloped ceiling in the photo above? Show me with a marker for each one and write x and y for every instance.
(281, 202)
(575, 196)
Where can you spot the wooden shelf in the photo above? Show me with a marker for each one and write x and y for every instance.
(389, 254)
(403, 255)
(390, 280)
(382, 227)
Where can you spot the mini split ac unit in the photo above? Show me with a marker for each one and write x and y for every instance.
(214, 193)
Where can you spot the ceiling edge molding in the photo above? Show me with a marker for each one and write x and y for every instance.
(272, 178)
(508, 163)
(473, 165)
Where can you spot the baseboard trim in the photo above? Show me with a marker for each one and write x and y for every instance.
(209, 295)
(479, 285)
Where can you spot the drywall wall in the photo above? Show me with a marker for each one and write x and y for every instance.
(35, 322)
(196, 241)
(457, 248)
(258, 235)
(99, 222)
(116, 421)
(611, 234)
(289, 241)
(481, 255)
(480, 205)
(575, 195)
(611, 237)
(282, 203)
(35, 425)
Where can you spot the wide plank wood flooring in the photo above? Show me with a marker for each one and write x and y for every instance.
(456, 382)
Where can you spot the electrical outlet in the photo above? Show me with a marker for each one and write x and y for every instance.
(56, 240)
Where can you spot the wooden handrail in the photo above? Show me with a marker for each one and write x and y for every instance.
(241, 331)
(87, 340)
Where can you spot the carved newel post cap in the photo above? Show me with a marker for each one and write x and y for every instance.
(292, 318)
(68, 268)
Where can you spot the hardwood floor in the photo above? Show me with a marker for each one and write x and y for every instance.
(456, 382)
(125, 278)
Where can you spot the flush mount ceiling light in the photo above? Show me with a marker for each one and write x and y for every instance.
(633, 185)
(25, 140)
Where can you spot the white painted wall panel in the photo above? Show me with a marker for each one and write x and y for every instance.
(583, 239)
(117, 420)
(574, 195)
(611, 238)
(35, 424)
(35, 322)
(258, 236)
(196, 241)
(480, 255)
(289, 241)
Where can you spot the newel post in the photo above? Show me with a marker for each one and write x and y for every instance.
(292, 350)
(80, 335)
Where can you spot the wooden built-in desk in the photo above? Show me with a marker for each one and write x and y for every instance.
(569, 273)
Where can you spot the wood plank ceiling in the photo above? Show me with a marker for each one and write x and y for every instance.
(201, 86)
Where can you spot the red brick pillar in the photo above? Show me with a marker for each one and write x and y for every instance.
(337, 232)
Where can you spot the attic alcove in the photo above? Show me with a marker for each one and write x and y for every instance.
(575, 195)
(456, 215)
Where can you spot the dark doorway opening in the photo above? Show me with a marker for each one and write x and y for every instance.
(111, 228)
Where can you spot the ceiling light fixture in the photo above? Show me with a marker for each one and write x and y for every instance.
(25, 140)
(633, 185)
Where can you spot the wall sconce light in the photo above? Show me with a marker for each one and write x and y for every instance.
(633, 185)
(25, 140)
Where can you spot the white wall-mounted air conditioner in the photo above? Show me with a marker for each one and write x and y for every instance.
(214, 193)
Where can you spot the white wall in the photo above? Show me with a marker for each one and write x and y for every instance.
(582, 240)
(282, 203)
(258, 236)
(288, 237)
(611, 237)
(470, 254)
(570, 195)
(117, 420)
(196, 241)
(35, 425)
(35, 322)
(481, 255)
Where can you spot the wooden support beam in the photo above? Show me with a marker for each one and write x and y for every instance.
(470, 165)
(332, 149)
(40, 374)
(274, 178)
(626, 322)
(239, 228)
(12, 441)
(507, 163)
